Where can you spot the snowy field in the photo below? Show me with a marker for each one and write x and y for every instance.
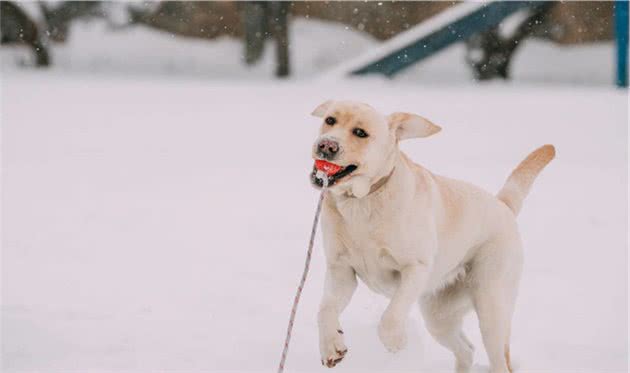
(159, 223)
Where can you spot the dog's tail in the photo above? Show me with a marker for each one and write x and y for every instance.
(520, 181)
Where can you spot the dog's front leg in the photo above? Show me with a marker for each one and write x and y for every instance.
(391, 329)
(338, 289)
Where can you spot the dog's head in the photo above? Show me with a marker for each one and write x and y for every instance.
(361, 143)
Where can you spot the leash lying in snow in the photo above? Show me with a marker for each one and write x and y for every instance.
(321, 174)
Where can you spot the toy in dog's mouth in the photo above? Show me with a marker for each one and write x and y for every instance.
(333, 171)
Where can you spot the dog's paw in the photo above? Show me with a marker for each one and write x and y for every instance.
(392, 334)
(332, 349)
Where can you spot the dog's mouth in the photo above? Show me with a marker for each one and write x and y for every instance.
(334, 172)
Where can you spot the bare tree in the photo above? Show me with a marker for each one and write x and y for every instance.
(17, 27)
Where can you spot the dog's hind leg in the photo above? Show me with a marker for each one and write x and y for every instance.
(494, 289)
(443, 313)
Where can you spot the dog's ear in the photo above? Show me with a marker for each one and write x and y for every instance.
(408, 126)
(321, 110)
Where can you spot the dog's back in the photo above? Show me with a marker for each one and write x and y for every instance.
(468, 217)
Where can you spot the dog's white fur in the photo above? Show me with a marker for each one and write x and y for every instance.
(418, 237)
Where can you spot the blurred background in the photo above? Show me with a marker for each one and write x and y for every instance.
(155, 161)
(570, 42)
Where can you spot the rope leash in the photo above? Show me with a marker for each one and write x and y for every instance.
(321, 175)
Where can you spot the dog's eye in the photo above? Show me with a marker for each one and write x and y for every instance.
(359, 132)
(330, 121)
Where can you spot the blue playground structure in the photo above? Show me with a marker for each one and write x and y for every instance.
(621, 35)
(461, 26)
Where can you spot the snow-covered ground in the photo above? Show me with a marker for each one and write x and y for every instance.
(161, 224)
(156, 207)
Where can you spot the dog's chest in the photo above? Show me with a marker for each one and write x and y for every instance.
(368, 248)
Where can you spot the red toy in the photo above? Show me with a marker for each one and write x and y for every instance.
(329, 168)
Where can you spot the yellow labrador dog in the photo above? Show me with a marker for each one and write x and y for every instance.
(415, 236)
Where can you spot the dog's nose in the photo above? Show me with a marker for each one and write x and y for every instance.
(328, 148)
